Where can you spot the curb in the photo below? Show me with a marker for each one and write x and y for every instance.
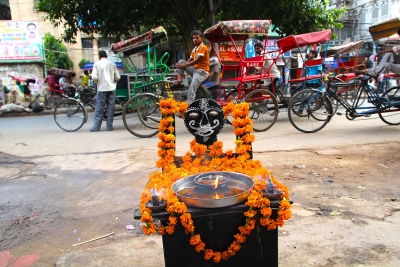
(20, 114)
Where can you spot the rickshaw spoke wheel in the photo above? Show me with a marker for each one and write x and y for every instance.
(132, 117)
(309, 111)
(393, 116)
(263, 109)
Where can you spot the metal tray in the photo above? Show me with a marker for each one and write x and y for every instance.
(237, 180)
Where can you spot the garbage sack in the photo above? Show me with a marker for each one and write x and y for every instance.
(9, 108)
(36, 107)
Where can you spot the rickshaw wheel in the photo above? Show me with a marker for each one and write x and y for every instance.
(263, 109)
(131, 114)
(393, 117)
(309, 111)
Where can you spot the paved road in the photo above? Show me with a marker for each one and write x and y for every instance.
(41, 136)
(91, 183)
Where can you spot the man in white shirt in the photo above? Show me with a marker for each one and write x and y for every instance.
(105, 75)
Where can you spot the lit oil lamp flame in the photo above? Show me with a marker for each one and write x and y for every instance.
(215, 196)
(215, 185)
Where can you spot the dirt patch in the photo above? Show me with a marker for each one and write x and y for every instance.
(346, 209)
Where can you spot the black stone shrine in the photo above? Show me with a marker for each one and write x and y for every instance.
(217, 228)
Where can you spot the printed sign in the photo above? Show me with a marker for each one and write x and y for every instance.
(271, 45)
(228, 52)
(20, 41)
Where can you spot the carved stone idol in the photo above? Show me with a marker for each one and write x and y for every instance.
(204, 118)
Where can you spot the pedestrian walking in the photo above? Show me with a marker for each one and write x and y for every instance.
(105, 75)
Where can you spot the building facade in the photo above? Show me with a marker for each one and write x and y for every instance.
(361, 14)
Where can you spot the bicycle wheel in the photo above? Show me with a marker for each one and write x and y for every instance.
(263, 109)
(70, 115)
(391, 115)
(309, 111)
(149, 111)
(130, 116)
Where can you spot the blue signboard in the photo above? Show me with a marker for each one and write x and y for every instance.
(332, 63)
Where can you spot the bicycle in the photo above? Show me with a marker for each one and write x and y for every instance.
(311, 110)
(70, 113)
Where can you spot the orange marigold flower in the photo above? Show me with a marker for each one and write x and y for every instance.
(208, 254)
(217, 257)
(266, 211)
(271, 225)
(172, 220)
(250, 213)
(161, 230)
(225, 255)
(146, 217)
(240, 238)
(200, 246)
(170, 229)
(149, 228)
(195, 240)
(244, 230)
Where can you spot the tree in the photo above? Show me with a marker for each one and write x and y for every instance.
(180, 17)
(56, 53)
(289, 16)
(82, 63)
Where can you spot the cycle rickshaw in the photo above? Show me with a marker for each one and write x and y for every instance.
(311, 110)
(145, 117)
(296, 42)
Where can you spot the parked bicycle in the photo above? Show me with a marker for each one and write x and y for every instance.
(70, 113)
(310, 110)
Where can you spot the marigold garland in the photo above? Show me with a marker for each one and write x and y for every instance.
(210, 159)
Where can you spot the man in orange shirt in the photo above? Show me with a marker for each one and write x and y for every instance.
(196, 66)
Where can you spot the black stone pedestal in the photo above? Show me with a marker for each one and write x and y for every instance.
(217, 228)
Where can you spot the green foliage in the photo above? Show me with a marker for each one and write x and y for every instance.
(56, 53)
(82, 63)
(289, 16)
(180, 17)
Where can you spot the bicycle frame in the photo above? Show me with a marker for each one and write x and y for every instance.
(379, 103)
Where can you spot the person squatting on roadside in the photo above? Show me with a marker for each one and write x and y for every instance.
(387, 63)
(196, 66)
(258, 47)
(105, 75)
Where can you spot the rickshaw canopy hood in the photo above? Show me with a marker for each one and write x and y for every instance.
(238, 29)
(294, 41)
(343, 49)
(139, 43)
(385, 29)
